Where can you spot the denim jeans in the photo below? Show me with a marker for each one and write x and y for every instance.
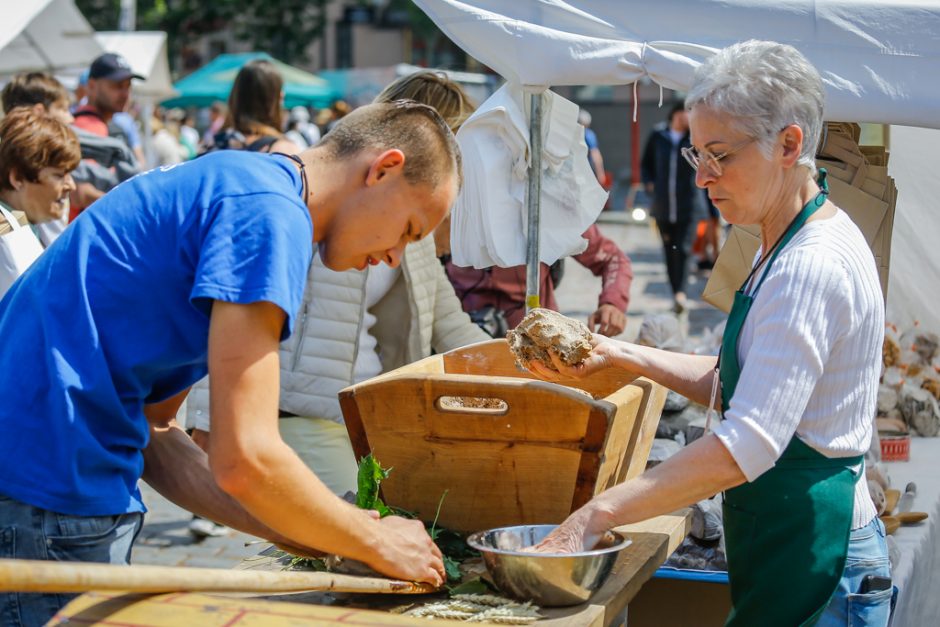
(868, 555)
(28, 532)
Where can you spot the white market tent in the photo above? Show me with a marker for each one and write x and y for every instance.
(45, 35)
(146, 53)
(878, 58)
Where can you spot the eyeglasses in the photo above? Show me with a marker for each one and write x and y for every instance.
(710, 161)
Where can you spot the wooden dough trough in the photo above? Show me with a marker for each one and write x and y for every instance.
(534, 452)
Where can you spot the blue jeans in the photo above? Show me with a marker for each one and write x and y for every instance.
(28, 532)
(868, 555)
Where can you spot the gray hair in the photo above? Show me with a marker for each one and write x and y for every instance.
(764, 86)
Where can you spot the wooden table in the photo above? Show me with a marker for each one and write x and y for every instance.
(653, 541)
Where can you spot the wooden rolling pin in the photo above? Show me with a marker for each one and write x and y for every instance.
(41, 576)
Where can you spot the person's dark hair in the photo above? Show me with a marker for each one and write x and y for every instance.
(434, 89)
(676, 108)
(31, 141)
(32, 88)
(430, 150)
(254, 105)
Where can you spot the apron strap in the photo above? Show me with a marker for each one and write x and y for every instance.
(805, 213)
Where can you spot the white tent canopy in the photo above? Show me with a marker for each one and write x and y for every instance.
(44, 35)
(877, 58)
(147, 55)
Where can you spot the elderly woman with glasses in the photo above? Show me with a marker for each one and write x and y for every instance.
(798, 371)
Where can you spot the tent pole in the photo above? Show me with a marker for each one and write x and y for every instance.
(533, 196)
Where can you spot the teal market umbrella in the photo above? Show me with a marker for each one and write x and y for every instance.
(213, 82)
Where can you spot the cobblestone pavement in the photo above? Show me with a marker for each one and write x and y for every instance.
(165, 538)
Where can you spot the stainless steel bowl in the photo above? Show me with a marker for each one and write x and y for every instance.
(548, 579)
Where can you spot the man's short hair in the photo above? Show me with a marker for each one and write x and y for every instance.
(32, 88)
(431, 152)
(31, 141)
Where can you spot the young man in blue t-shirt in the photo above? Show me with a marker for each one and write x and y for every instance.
(186, 270)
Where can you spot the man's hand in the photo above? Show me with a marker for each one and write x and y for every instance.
(408, 552)
(609, 320)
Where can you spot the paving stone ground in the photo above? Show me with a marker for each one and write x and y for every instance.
(165, 538)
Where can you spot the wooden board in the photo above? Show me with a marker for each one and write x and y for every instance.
(546, 452)
(173, 610)
(653, 541)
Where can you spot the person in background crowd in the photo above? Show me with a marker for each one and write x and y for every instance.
(44, 94)
(322, 119)
(707, 239)
(299, 128)
(37, 154)
(594, 150)
(189, 136)
(183, 271)
(338, 110)
(167, 148)
(254, 119)
(108, 92)
(216, 122)
(356, 325)
(40, 91)
(124, 126)
(495, 297)
(676, 199)
(81, 90)
(797, 378)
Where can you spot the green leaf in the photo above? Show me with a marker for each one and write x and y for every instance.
(383, 509)
(434, 532)
(306, 563)
(368, 479)
(472, 586)
(452, 568)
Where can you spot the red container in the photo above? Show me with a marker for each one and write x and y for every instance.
(895, 448)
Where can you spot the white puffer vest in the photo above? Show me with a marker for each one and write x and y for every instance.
(419, 313)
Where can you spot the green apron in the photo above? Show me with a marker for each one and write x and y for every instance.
(787, 532)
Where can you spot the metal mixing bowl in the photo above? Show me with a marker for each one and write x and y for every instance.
(548, 579)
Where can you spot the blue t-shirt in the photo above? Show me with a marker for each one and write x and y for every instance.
(115, 314)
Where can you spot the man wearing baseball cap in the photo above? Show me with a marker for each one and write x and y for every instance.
(108, 90)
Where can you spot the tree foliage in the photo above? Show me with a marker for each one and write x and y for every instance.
(282, 28)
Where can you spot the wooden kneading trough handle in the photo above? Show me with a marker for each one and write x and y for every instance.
(41, 576)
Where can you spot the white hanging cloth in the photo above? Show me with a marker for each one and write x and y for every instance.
(488, 223)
